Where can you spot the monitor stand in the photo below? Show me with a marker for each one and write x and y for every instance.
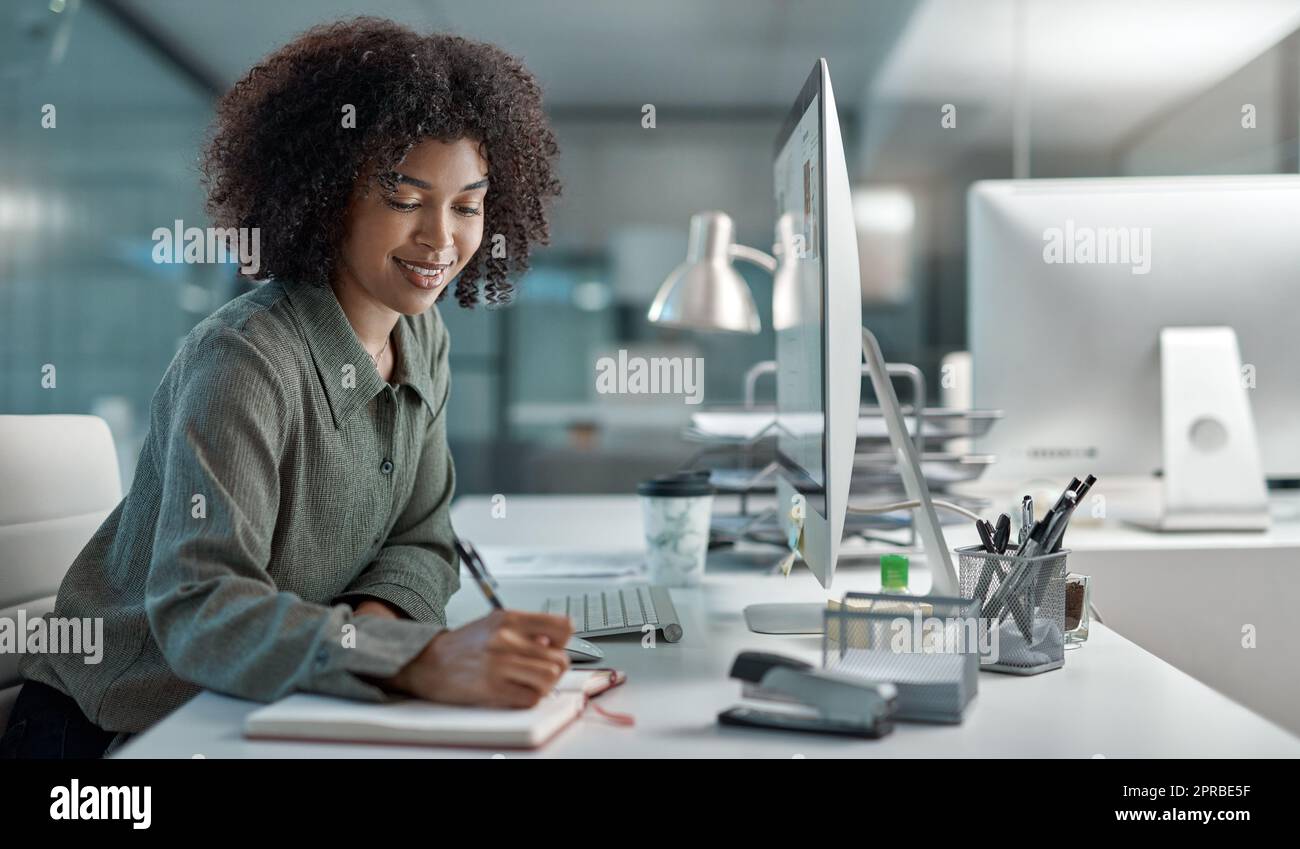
(1213, 474)
(943, 577)
(791, 618)
(785, 618)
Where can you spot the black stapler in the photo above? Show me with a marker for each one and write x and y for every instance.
(844, 704)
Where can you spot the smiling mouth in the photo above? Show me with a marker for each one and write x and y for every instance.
(424, 275)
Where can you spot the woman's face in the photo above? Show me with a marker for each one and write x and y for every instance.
(404, 249)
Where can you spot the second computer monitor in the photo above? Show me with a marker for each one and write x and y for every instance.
(1071, 282)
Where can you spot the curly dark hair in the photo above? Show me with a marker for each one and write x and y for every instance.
(280, 159)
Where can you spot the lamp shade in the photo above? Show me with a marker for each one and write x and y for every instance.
(786, 312)
(706, 292)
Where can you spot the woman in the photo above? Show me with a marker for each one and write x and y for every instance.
(287, 528)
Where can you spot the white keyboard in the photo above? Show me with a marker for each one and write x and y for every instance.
(623, 610)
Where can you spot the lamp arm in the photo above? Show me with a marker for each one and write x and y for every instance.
(753, 255)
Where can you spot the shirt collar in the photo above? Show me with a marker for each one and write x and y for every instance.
(334, 345)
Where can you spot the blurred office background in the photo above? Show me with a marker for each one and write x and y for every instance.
(933, 95)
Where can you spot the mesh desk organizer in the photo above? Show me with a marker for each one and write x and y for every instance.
(1022, 601)
(927, 646)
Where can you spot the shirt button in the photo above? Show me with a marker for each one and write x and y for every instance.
(322, 657)
(386, 467)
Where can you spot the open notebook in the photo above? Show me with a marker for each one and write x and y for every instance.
(305, 716)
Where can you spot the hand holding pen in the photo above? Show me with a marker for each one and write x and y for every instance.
(509, 658)
(487, 584)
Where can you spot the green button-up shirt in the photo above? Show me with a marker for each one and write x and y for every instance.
(281, 479)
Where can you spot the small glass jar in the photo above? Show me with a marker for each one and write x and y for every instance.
(1078, 601)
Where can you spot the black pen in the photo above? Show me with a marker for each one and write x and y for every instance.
(1056, 535)
(1074, 484)
(1052, 544)
(1002, 534)
(1059, 521)
(478, 569)
(1079, 494)
(1038, 533)
(1085, 486)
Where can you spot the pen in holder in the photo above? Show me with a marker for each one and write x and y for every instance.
(1023, 601)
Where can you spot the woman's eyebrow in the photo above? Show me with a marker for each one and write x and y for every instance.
(420, 184)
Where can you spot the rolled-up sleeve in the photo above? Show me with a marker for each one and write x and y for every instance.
(417, 569)
(212, 606)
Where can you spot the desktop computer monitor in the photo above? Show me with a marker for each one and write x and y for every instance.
(817, 314)
(1071, 284)
(820, 344)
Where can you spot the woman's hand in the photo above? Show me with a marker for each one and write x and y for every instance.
(508, 658)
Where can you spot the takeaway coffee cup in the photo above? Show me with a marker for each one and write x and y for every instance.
(675, 510)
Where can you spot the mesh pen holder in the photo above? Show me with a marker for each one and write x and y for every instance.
(1022, 601)
(925, 645)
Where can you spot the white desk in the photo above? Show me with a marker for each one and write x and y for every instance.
(1112, 698)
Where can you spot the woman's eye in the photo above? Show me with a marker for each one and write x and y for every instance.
(468, 210)
(399, 205)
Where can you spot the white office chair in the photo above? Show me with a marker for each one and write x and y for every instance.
(58, 482)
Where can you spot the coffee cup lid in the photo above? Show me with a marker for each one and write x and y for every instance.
(677, 485)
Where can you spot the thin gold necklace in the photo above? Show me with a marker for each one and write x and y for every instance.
(376, 357)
